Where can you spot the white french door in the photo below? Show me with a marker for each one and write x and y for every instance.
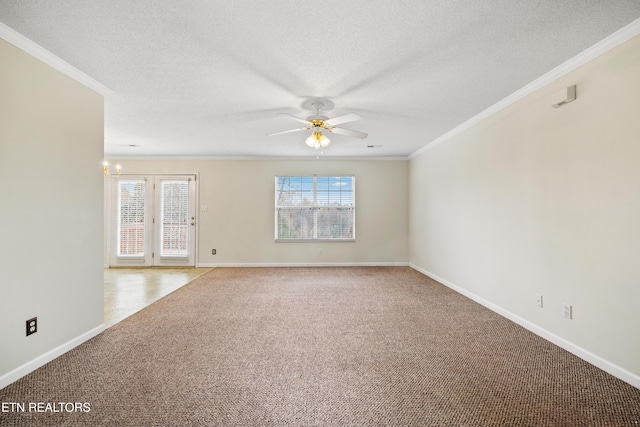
(153, 221)
(175, 220)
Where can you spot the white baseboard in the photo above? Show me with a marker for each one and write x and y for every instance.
(306, 264)
(605, 365)
(39, 361)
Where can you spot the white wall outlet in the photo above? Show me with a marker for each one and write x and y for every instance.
(539, 300)
(566, 311)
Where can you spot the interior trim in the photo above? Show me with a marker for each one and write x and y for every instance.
(582, 58)
(305, 264)
(605, 365)
(311, 157)
(47, 357)
(34, 49)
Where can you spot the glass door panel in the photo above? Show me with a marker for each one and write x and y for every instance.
(131, 234)
(175, 220)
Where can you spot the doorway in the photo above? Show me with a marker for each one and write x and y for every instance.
(153, 221)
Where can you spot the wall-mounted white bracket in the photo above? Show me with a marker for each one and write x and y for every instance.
(564, 96)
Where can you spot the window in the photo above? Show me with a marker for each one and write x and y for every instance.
(315, 208)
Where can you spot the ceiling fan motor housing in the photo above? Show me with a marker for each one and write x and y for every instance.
(317, 117)
(317, 122)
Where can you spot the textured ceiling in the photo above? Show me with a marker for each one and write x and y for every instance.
(207, 77)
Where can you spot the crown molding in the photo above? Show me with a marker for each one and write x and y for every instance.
(600, 48)
(113, 157)
(34, 49)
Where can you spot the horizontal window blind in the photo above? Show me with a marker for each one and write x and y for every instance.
(130, 216)
(174, 225)
(315, 207)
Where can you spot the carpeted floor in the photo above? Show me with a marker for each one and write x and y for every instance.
(366, 346)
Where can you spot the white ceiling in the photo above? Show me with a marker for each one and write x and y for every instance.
(206, 78)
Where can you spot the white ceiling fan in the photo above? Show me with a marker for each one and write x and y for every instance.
(318, 122)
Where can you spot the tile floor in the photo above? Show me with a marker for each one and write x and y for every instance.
(128, 290)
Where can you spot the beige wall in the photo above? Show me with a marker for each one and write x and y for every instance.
(51, 215)
(239, 221)
(542, 200)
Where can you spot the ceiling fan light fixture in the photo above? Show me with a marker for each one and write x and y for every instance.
(317, 140)
(317, 123)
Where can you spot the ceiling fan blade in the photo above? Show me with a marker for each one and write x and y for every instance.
(306, 122)
(349, 132)
(286, 131)
(351, 117)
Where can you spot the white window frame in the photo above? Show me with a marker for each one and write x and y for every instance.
(315, 207)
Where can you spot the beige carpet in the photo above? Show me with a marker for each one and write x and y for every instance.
(367, 346)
